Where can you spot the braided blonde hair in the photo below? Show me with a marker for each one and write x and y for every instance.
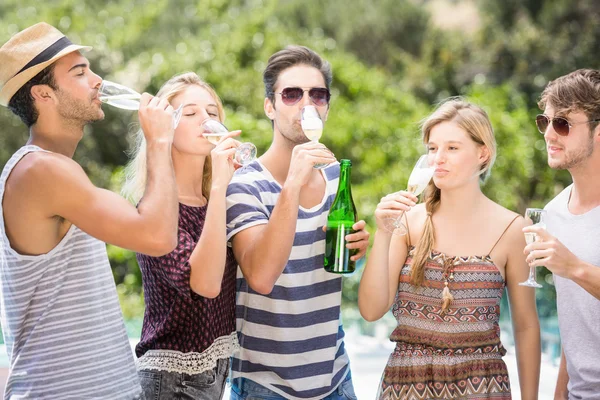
(475, 121)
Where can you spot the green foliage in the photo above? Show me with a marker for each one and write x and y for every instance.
(532, 42)
(391, 62)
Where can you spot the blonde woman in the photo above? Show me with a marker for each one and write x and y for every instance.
(188, 334)
(445, 278)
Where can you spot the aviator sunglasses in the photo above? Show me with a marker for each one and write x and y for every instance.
(292, 95)
(559, 124)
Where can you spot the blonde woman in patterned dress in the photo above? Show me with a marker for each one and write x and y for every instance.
(445, 278)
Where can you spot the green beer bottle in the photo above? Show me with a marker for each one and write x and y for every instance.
(342, 216)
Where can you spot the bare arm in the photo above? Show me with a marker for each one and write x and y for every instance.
(379, 282)
(207, 261)
(152, 227)
(588, 277)
(555, 256)
(263, 251)
(561, 392)
(524, 314)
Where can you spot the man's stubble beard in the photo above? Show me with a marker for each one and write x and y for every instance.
(294, 135)
(576, 157)
(77, 110)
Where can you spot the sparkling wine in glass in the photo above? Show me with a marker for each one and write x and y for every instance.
(312, 126)
(214, 131)
(417, 182)
(536, 216)
(125, 98)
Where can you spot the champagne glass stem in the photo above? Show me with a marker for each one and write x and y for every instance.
(398, 221)
(177, 116)
(318, 166)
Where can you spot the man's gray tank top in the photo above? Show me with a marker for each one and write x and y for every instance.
(61, 319)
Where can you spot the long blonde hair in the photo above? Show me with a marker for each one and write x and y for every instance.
(473, 120)
(136, 170)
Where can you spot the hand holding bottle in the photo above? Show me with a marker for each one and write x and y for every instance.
(341, 256)
(357, 240)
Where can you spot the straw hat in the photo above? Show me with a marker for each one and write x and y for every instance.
(29, 52)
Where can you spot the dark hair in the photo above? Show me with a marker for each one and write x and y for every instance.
(577, 91)
(22, 103)
(289, 57)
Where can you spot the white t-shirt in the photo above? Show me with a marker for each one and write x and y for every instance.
(578, 310)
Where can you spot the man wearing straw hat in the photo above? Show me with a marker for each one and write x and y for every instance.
(61, 320)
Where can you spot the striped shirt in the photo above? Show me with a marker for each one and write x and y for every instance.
(292, 339)
(61, 319)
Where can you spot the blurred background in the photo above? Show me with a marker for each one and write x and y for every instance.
(392, 61)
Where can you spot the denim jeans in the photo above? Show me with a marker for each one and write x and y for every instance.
(164, 385)
(245, 389)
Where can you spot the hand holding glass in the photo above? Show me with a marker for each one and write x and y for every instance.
(535, 215)
(214, 131)
(312, 125)
(417, 182)
(125, 98)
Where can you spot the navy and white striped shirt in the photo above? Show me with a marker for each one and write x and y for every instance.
(292, 339)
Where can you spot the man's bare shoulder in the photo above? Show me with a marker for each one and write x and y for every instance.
(39, 170)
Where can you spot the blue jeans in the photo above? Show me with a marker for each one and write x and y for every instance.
(245, 389)
(164, 385)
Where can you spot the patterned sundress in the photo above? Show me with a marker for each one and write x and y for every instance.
(456, 354)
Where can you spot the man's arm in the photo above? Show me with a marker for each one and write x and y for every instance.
(588, 277)
(262, 251)
(151, 228)
(561, 392)
(552, 254)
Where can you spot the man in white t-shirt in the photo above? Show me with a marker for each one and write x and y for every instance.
(570, 247)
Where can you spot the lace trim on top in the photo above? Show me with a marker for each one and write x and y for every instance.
(189, 363)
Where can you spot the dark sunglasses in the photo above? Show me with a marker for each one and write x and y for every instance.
(560, 125)
(292, 95)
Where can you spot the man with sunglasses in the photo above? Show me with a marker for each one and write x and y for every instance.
(570, 245)
(288, 307)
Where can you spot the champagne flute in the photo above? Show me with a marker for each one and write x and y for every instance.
(125, 98)
(312, 125)
(417, 182)
(214, 131)
(537, 216)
